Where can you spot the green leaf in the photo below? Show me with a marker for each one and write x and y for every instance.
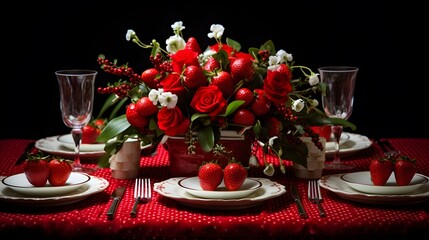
(232, 107)
(206, 138)
(198, 115)
(269, 45)
(113, 128)
(234, 44)
(297, 154)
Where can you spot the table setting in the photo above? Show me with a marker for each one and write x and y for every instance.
(140, 177)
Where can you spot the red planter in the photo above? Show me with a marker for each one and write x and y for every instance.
(183, 164)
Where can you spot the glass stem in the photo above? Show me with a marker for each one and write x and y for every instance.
(337, 131)
(77, 137)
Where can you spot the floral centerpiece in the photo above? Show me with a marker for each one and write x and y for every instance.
(260, 93)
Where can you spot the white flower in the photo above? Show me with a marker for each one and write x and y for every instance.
(167, 99)
(313, 80)
(217, 31)
(177, 26)
(269, 170)
(253, 161)
(273, 62)
(130, 34)
(175, 43)
(154, 95)
(284, 56)
(314, 102)
(298, 105)
(271, 141)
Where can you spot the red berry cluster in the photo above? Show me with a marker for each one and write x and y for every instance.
(120, 88)
(265, 54)
(163, 66)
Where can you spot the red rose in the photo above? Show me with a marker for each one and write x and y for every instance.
(172, 121)
(277, 84)
(184, 57)
(172, 84)
(209, 99)
(216, 47)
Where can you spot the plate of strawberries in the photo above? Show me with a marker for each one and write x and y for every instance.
(361, 181)
(67, 141)
(19, 183)
(192, 186)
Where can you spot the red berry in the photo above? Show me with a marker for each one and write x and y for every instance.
(60, 170)
(234, 176)
(210, 176)
(404, 169)
(380, 170)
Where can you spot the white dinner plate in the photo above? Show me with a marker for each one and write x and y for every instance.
(171, 189)
(93, 186)
(20, 184)
(192, 186)
(67, 141)
(354, 144)
(335, 184)
(361, 181)
(52, 146)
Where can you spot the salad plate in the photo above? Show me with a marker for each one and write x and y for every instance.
(53, 146)
(67, 141)
(335, 184)
(192, 186)
(349, 144)
(93, 186)
(361, 181)
(170, 189)
(20, 184)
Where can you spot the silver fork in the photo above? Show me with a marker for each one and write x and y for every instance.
(315, 196)
(142, 191)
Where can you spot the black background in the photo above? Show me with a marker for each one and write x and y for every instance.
(40, 38)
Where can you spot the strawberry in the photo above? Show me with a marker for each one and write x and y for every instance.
(60, 170)
(193, 45)
(36, 169)
(234, 176)
(145, 107)
(210, 175)
(246, 95)
(150, 77)
(242, 69)
(194, 77)
(90, 134)
(380, 170)
(404, 169)
(224, 82)
(261, 105)
(134, 117)
(211, 65)
(243, 117)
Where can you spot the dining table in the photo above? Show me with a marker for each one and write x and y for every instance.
(349, 215)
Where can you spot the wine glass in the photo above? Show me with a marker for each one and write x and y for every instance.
(76, 102)
(338, 102)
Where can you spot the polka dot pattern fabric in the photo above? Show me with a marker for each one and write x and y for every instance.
(165, 218)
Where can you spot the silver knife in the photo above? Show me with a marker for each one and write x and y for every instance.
(116, 195)
(295, 195)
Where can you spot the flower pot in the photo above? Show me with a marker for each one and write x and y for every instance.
(126, 163)
(315, 161)
(183, 164)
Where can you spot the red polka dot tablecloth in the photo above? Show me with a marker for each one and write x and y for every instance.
(166, 218)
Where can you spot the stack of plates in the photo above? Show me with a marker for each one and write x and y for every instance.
(17, 190)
